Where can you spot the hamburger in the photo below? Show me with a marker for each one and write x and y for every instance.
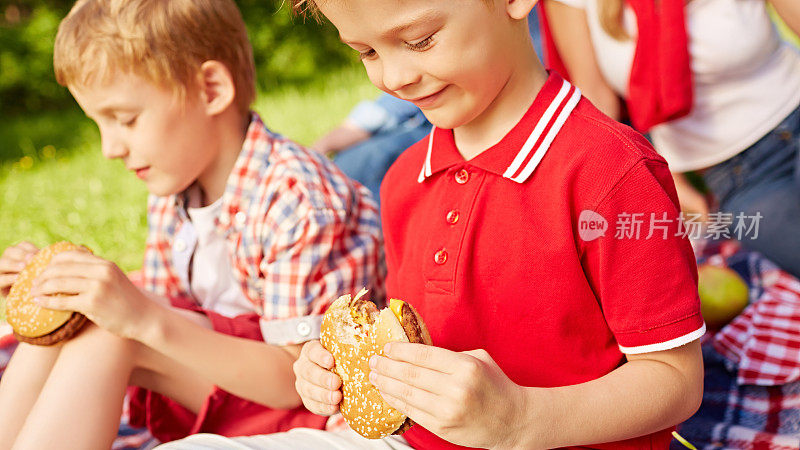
(32, 323)
(353, 329)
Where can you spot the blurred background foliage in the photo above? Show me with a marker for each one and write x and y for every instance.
(288, 51)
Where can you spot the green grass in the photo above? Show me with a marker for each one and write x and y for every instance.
(55, 184)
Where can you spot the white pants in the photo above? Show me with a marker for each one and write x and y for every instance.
(296, 439)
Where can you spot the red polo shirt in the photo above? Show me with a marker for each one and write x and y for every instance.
(491, 254)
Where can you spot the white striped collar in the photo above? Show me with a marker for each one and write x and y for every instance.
(538, 142)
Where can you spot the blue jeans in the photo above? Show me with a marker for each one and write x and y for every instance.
(367, 162)
(765, 179)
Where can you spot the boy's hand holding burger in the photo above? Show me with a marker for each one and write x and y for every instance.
(82, 282)
(463, 397)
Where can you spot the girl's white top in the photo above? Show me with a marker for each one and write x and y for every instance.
(746, 78)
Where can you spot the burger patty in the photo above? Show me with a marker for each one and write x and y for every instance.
(414, 333)
(410, 325)
(65, 331)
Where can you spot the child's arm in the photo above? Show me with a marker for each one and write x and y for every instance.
(570, 34)
(347, 134)
(101, 291)
(465, 398)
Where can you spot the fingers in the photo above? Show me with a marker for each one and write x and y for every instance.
(427, 356)
(6, 281)
(11, 265)
(69, 268)
(419, 416)
(28, 247)
(410, 395)
(316, 384)
(77, 256)
(60, 285)
(317, 354)
(77, 267)
(319, 400)
(12, 262)
(312, 373)
(62, 303)
(410, 374)
(14, 258)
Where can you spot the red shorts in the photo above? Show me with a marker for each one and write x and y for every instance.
(222, 413)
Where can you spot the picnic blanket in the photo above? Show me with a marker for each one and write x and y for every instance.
(752, 365)
(752, 379)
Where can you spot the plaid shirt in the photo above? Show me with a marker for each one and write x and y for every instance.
(299, 234)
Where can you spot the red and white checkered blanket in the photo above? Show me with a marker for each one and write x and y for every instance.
(752, 366)
(763, 342)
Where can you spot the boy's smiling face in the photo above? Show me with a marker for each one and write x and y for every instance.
(160, 137)
(449, 57)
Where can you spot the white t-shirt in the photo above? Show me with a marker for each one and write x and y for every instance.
(746, 79)
(212, 281)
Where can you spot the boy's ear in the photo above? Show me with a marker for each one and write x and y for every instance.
(519, 9)
(217, 90)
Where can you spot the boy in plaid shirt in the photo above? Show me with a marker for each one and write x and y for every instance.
(250, 237)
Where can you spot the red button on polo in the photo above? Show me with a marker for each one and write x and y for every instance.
(440, 257)
(462, 176)
(452, 217)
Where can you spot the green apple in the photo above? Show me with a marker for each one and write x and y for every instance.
(723, 294)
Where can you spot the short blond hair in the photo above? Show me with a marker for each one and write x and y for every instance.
(309, 8)
(163, 41)
(305, 8)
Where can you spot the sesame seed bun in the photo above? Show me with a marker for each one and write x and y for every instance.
(32, 323)
(353, 329)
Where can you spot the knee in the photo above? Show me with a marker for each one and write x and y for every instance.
(97, 341)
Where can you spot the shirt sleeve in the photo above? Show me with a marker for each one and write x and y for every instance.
(311, 258)
(643, 269)
(382, 114)
(370, 117)
(401, 110)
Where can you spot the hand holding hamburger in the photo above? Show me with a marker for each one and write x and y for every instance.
(353, 329)
(32, 323)
(63, 285)
(463, 397)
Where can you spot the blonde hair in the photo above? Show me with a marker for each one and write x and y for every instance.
(305, 8)
(163, 41)
(309, 8)
(610, 12)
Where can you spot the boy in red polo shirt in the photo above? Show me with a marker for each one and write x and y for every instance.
(545, 334)
(550, 329)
